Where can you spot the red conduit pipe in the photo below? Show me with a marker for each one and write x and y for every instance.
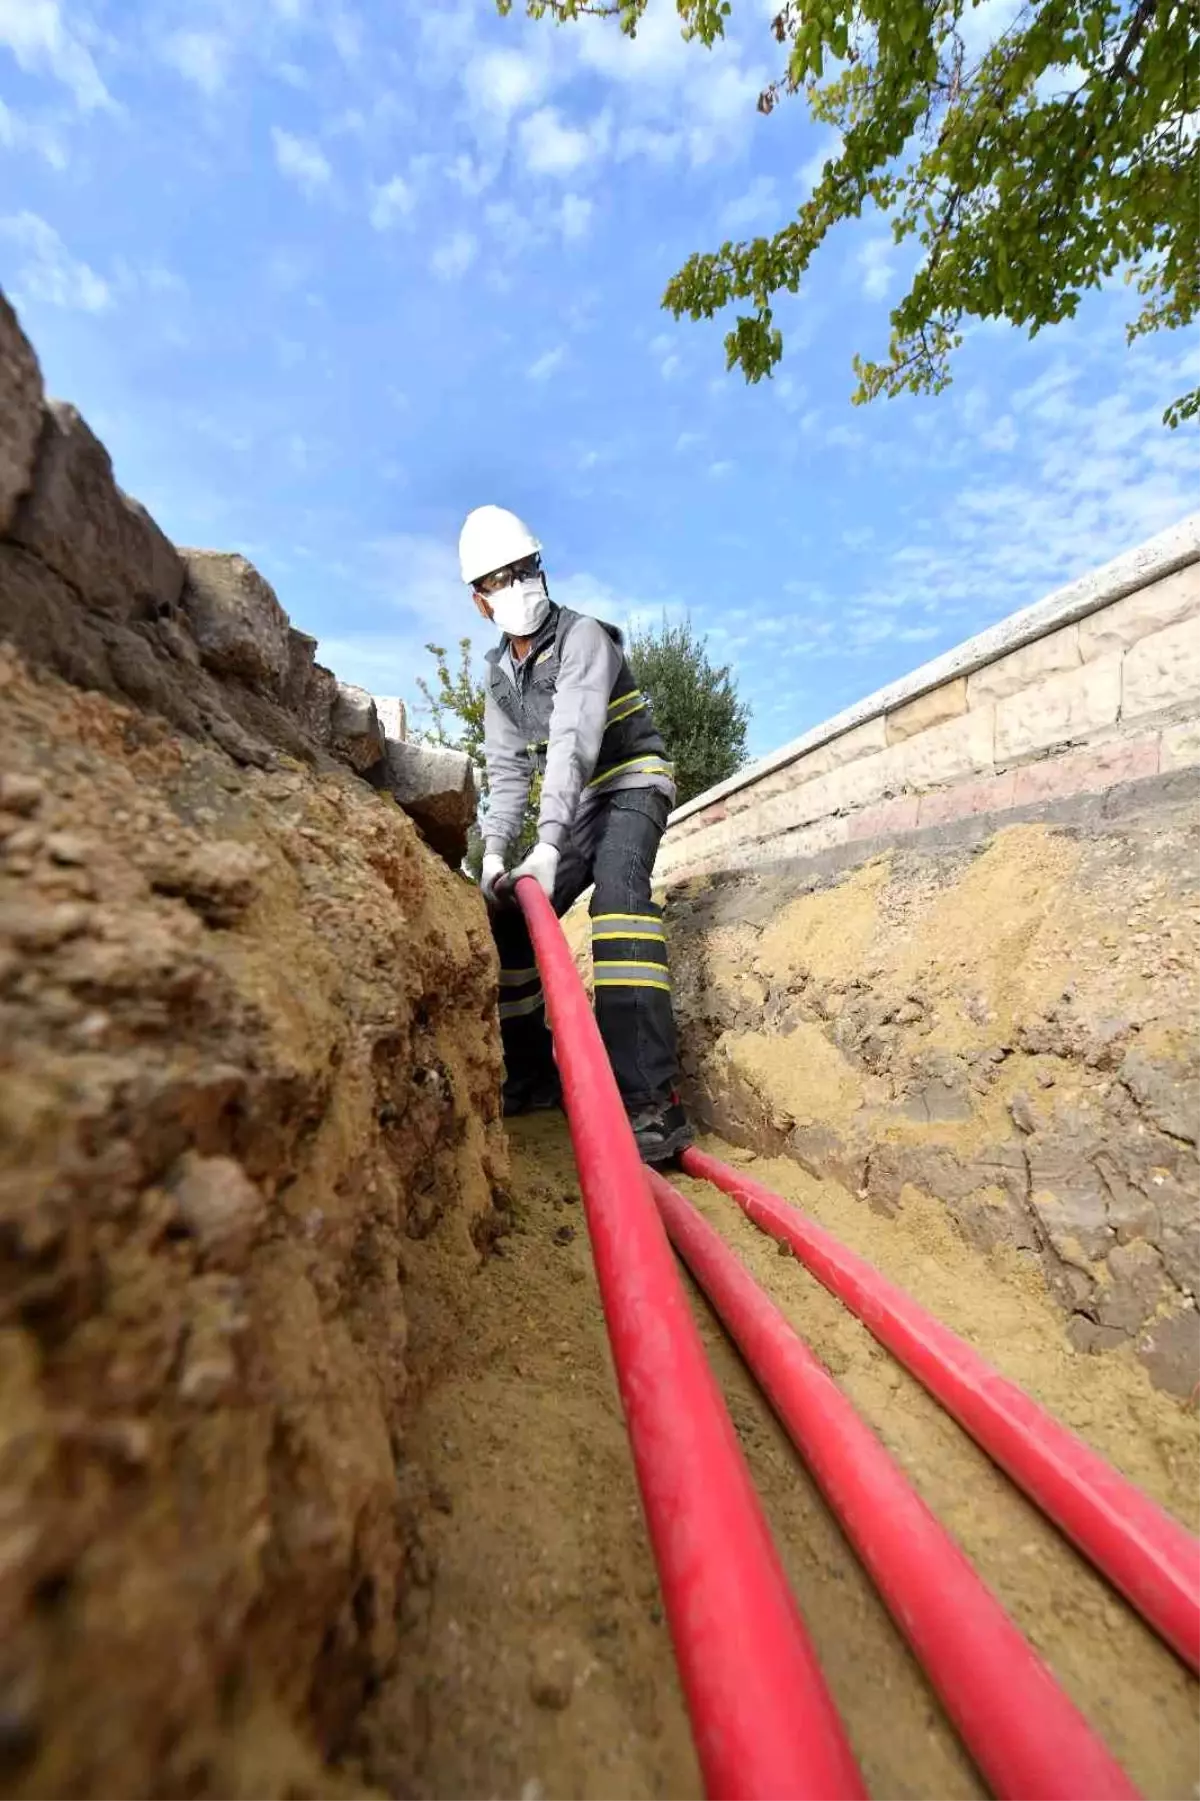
(1152, 1559)
(762, 1718)
(1027, 1737)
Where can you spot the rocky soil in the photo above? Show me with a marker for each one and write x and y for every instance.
(1008, 1028)
(249, 1161)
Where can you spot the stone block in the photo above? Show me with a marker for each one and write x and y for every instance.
(1179, 746)
(934, 708)
(1052, 655)
(77, 521)
(1059, 710)
(944, 753)
(437, 790)
(848, 747)
(1141, 614)
(967, 800)
(1162, 670)
(1085, 771)
(357, 734)
(393, 716)
(804, 841)
(839, 790)
(302, 653)
(20, 412)
(236, 620)
(316, 709)
(889, 816)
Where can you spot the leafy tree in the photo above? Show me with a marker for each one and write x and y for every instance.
(696, 707)
(1064, 152)
(455, 706)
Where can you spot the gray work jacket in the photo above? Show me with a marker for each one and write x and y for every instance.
(571, 709)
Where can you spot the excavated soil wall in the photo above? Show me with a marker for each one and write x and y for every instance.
(250, 1154)
(1000, 1017)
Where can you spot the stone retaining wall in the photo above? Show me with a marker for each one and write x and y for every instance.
(91, 589)
(1097, 685)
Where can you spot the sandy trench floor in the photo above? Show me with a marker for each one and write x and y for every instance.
(537, 1662)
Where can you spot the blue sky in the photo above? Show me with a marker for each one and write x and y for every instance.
(324, 274)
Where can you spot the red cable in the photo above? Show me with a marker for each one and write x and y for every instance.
(1147, 1555)
(1029, 1740)
(762, 1718)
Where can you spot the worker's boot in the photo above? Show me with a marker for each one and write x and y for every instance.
(532, 1094)
(661, 1130)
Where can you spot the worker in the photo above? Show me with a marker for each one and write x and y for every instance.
(560, 699)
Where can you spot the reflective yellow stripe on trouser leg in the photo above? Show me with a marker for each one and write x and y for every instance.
(520, 993)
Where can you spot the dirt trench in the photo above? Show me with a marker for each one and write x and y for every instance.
(313, 1478)
(535, 1661)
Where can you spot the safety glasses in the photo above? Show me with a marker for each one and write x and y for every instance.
(503, 578)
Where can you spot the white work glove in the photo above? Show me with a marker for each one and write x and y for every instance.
(542, 865)
(489, 875)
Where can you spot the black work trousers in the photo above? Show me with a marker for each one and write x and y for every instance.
(629, 957)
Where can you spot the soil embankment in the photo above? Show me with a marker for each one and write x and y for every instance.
(1005, 1025)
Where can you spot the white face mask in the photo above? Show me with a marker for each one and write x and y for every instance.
(520, 608)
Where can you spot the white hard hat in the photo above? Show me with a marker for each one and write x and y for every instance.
(491, 539)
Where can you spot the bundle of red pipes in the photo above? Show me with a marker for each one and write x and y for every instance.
(762, 1717)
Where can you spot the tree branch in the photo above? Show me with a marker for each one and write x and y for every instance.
(1133, 37)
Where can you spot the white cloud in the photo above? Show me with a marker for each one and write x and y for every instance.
(473, 176)
(548, 364)
(1002, 436)
(811, 170)
(844, 437)
(454, 256)
(511, 224)
(718, 471)
(48, 273)
(301, 160)
(346, 34)
(201, 57)
(37, 34)
(663, 347)
(790, 393)
(575, 217)
(391, 202)
(19, 132)
(658, 79)
(550, 147)
(650, 141)
(755, 207)
(875, 261)
(502, 83)
(1097, 475)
